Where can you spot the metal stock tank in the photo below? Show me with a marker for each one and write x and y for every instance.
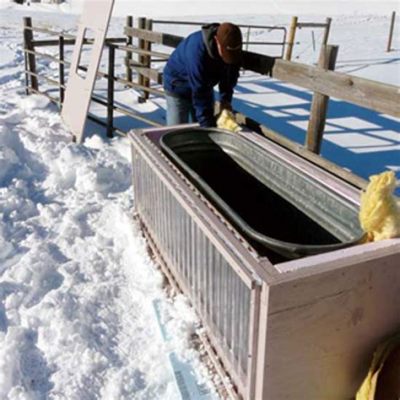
(273, 204)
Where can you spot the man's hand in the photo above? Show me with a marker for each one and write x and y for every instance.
(224, 105)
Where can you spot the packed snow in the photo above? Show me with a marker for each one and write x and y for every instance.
(77, 284)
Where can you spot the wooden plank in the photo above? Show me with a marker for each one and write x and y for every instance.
(292, 34)
(391, 30)
(95, 17)
(54, 42)
(141, 25)
(216, 362)
(165, 39)
(377, 96)
(137, 116)
(323, 325)
(61, 69)
(110, 91)
(254, 327)
(129, 23)
(319, 105)
(261, 64)
(136, 50)
(43, 77)
(130, 113)
(326, 31)
(26, 71)
(135, 85)
(150, 73)
(45, 55)
(28, 45)
(147, 59)
(51, 98)
(51, 32)
(374, 95)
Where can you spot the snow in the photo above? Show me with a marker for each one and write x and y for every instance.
(76, 279)
(77, 285)
(195, 8)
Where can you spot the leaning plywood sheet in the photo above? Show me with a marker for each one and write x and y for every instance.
(93, 24)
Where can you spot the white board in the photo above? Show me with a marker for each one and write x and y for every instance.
(185, 377)
(95, 18)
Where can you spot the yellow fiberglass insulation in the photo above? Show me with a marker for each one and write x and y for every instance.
(379, 210)
(227, 121)
(368, 389)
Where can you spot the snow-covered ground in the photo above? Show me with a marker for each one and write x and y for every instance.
(77, 286)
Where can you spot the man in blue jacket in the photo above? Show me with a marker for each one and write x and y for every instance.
(204, 59)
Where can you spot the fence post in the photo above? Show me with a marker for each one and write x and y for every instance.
(292, 34)
(147, 59)
(129, 23)
(30, 57)
(26, 70)
(247, 38)
(141, 45)
(110, 91)
(319, 105)
(61, 68)
(326, 32)
(389, 45)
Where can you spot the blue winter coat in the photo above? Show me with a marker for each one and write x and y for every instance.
(194, 68)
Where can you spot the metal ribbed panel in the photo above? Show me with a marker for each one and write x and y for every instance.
(216, 290)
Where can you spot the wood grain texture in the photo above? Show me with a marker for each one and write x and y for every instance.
(155, 37)
(319, 104)
(324, 324)
(376, 96)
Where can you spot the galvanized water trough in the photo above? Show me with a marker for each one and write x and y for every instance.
(283, 328)
(273, 204)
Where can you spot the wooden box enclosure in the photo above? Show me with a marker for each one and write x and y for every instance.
(299, 329)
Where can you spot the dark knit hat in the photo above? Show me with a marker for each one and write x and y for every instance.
(229, 37)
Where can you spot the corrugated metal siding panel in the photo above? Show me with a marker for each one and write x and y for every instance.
(218, 293)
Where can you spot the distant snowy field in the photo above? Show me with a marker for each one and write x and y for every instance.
(77, 285)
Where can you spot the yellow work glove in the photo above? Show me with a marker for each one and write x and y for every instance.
(379, 210)
(226, 120)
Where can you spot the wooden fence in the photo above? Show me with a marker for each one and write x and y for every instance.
(295, 24)
(322, 80)
(391, 30)
(245, 28)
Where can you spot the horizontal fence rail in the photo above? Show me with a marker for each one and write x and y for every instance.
(374, 95)
(246, 27)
